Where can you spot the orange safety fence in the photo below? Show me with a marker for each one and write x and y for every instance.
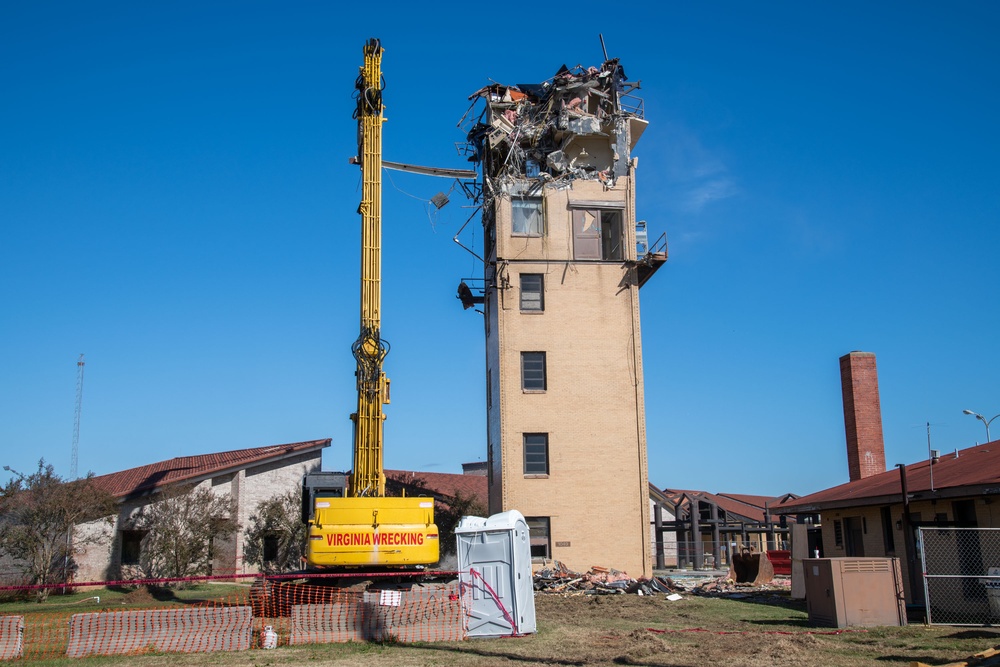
(142, 616)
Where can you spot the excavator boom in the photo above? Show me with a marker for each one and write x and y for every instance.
(367, 478)
(361, 528)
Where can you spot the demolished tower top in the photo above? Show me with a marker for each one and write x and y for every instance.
(581, 123)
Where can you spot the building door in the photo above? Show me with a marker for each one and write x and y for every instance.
(854, 536)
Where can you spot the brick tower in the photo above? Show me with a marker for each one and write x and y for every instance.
(862, 415)
(564, 260)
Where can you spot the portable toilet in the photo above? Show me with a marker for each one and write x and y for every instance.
(494, 563)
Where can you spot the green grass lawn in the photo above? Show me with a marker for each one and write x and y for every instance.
(758, 631)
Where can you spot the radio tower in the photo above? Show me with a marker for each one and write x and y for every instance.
(76, 417)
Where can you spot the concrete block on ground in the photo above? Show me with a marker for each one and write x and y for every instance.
(427, 615)
(193, 630)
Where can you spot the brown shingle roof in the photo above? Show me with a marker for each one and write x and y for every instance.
(743, 506)
(190, 468)
(975, 470)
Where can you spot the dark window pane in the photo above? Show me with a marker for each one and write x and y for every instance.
(132, 546)
(536, 454)
(611, 235)
(533, 371)
(538, 529)
(531, 291)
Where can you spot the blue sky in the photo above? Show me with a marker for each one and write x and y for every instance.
(176, 203)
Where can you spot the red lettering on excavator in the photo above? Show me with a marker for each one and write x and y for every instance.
(376, 539)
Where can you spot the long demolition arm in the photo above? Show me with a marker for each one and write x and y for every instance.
(367, 477)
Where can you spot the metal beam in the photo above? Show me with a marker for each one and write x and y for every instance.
(427, 171)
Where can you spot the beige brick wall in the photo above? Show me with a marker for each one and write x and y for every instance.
(596, 492)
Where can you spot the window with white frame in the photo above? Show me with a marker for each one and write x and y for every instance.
(597, 234)
(526, 218)
(532, 291)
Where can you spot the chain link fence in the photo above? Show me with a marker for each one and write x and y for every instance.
(961, 569)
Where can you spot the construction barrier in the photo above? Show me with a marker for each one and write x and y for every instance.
(165, 630)
(405, 616)
(11, 637)
(271, 612)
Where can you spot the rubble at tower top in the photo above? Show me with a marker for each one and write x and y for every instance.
(580, 124)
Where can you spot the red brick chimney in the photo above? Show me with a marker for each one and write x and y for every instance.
(862, 415)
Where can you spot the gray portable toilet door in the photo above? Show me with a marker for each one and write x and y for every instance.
(492, 607)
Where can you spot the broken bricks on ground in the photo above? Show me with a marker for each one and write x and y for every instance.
(557, 578)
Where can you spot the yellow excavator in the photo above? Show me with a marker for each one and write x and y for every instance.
(358, 526)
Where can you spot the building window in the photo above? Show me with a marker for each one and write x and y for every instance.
(888, 534)
(526, 217)
(964, 512)
(533, 371)
(532, 291)
(838, 534)
(538, 529)
(854, 540)
(132, 546)
(270, 548)
(536, 453)
(489, 388)
(597, 234)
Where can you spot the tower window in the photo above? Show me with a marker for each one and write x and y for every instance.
(536, 453)
(597, 234)
(526, 217)
(533, 371)
(539, 535)
(532, 291)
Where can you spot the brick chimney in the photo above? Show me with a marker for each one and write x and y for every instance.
(862, 415)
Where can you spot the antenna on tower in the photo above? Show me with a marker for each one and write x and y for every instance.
(76, 417)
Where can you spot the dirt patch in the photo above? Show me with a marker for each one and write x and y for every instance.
(146, 595)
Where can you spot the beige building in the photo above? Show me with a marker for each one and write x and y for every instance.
(564, 260)
(249, 476)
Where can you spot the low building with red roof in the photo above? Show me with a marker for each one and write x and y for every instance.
(249, 476)
(868, 517)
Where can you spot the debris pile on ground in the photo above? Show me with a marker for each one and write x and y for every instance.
(775, 591)
(557, 578)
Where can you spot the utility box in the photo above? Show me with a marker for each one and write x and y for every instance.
(842, 592)
(494, 563)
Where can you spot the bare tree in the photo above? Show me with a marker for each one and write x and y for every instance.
(182, 525)
(37, 516)
(275, 539)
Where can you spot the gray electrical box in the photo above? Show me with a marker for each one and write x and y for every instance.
(842, 592)
(494, 563)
